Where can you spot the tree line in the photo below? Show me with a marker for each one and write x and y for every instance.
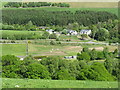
(57, 68)
(35, 4)
(61, 18)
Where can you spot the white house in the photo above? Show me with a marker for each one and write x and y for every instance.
(50, 31)
(70, 57)
(72, 32)
(87, 32)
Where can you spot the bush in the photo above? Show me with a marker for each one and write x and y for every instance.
(36, 71)
(52, 43)
(39, 57)
(52, 36)
(83, 56)
(64, 75)
(12, 41)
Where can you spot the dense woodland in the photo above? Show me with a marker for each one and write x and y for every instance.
(57, 68)
(35, 4)
(61, 18)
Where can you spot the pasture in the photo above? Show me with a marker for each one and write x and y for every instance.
(14, 49)
(48, 50)
(39, 83)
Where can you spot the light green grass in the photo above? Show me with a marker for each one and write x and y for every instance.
(47, 50)
(14, 49)
(38, 83)
(20, 32)
(111, 10)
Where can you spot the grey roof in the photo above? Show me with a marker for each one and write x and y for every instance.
(50, 30)
(85, 30)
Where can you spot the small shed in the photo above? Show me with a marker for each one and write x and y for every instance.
(21, 57)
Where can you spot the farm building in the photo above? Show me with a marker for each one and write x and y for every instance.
(72, 32)
(70, 57)
(87, 32)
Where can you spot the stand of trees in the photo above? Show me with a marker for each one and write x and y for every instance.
(35, 4)
(61, 18)
(57, 68)
(93, 54)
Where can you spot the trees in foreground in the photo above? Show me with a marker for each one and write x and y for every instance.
(57, 68)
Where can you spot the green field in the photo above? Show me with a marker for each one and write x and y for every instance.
(38, 49)
(38, 83)
(111, 10)
(12, 32)
(14, 49)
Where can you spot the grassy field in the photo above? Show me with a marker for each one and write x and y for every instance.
(93, 4)
(111, 10)
(12, 32)
(38, 49)
(38, 83)
(14, 49)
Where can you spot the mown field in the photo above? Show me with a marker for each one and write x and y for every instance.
(111, 10)
(14, 49)
(43, 50)
(93, 4)
(38, 83)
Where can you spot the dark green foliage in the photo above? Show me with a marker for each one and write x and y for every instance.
(100, 55)
(96, 72)
(83, 56)
(64, 75)
(93, 54)
(105, 52)
(109, 64)
(9, 60)
(104, 75)
(57, 68)
(102, 35)
(52, 36)
(85, 49)
(45, 35)
(35, 4)
(52, 42)
(112, 66)
(36, 70)
(88, 74)
(41, 17)
(115, 53)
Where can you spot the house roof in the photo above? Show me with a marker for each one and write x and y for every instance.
(71, 31)
(50, 30)
(85, 30)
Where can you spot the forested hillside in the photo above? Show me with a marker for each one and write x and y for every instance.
(41, 17)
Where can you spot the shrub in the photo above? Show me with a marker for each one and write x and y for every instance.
(12, 41)
(52, 36)
(52, 43)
